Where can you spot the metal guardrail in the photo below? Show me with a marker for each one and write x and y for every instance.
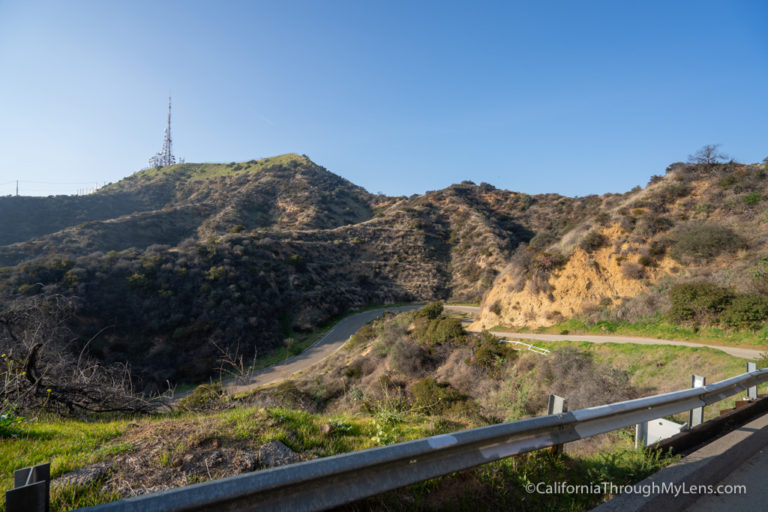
(31, 489)
(323, 483)
(532, 348)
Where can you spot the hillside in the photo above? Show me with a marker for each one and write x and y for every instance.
(702, 223)
(195, 264)
(401, 377)
(204, 260)
(168, 205)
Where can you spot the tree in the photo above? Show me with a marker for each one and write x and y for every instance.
(41, 368)
(707, 155)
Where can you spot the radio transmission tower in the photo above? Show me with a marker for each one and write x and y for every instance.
(165, 157)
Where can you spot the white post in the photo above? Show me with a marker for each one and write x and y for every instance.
(696, 416)
(752, 391)
(641, 435)
(556, 405)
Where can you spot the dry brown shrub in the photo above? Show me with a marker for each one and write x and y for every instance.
(575, 375)
(632, 270)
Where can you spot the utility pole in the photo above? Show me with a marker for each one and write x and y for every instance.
(17, 188)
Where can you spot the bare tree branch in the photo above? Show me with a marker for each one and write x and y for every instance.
(40, 370)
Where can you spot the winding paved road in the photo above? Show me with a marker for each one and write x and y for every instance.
(321, 349)
(340, 333)
(744, 353)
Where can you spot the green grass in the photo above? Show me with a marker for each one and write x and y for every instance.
(192, 172)
(67, 445)
(70, 444)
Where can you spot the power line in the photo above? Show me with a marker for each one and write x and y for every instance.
(44, 188)
(49, 182)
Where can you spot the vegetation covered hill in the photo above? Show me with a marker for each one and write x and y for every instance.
(174, 270)
(199, 262)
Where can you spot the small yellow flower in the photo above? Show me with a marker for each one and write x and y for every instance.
(3, 355)
(23, 373)
(48, 390)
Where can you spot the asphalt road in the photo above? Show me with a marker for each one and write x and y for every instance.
(750, 474)
(340, 333)
(321, 349)
(744, 353)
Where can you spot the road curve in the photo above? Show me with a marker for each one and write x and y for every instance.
(346, 327)
(321, 349)
(743, 353)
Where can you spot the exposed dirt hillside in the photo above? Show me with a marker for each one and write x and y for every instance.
(698, 223)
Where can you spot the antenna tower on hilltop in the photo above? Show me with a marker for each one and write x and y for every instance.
(165, 157)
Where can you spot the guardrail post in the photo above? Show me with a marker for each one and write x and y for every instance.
(752, 392)
(557, 405)
(641, 435)
(31, 490)
(696, 416)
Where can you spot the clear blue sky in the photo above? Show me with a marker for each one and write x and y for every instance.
(574, 97)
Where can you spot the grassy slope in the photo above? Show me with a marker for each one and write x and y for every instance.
(71, 444)
(162, 440)
(193, 172)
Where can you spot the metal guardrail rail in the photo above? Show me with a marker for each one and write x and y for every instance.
(323, 483)
(532, 348)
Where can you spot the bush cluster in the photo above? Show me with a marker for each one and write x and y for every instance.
(632, 270)
(432, 328)
(365, 334)
(490, 354)
(204, 396)
(575, 375)
(707, 303)
(432, 310)
(593, 241)
(444, 330)
(409, 358)
(748, 311)
(702, 241)
(434, 397)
